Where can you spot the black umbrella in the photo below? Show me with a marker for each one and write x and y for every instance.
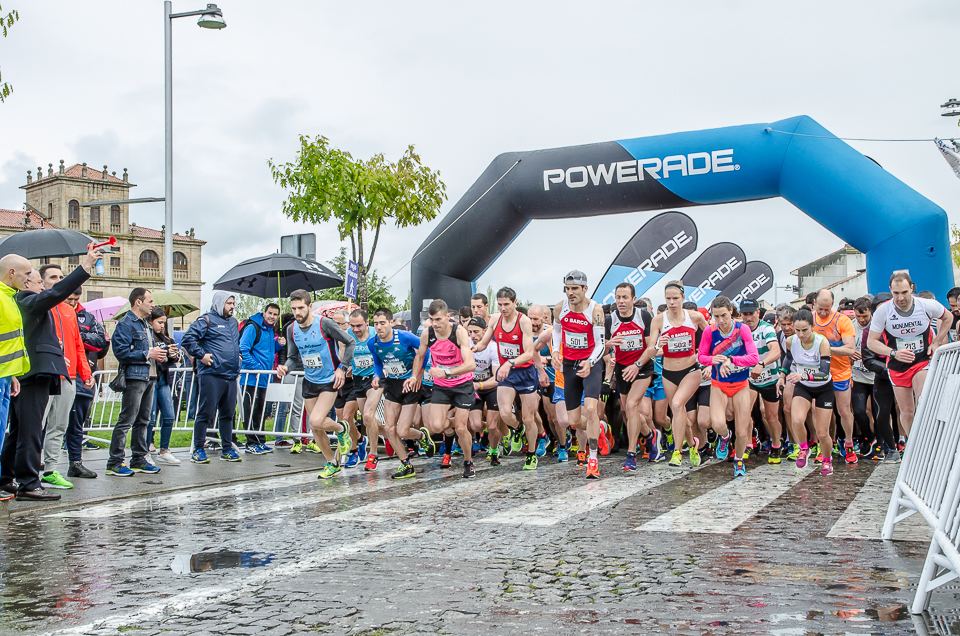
(277, 275)
(45, 243)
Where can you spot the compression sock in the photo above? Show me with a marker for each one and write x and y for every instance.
(448, 444)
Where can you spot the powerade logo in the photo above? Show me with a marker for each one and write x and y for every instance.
(750, 288)
(661, 254)
(725, 269)
(635, 170)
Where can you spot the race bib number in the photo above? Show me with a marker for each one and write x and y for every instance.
(914, 344)
(395, 368)
(575, 340)
(632, 342)
(952, 335)
(363, 362)
(481, 375)
(806, 369)
(680, 343)
(768, 373)
(509, 351)
(312, 361)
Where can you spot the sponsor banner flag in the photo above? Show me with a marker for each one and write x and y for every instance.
(657, 247)
(754, 282)
(719, 264)
(951, 153)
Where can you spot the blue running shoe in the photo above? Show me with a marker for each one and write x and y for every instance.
(362, 449)
(231, 456)
(253, 450)
(119, 471)
(562, 455)
(739, 470)
(631, 463)
(266, 449)
(199, 456)
(145, 467)
(478, 449)
(668, 435)
(656, 452)
(352, 460)
(723, 448)
(542, 446)
(456, 448)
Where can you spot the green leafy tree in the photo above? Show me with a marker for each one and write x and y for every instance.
(378, 292)
(6, 22)
(246, 306)
(325, 183)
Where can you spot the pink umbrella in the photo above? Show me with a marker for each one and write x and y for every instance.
(105, 308)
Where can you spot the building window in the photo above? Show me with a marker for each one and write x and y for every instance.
(115, 214)
(94, 295)
(45, 260)
(49, 210)
(73, 260)
(149, 260)
(73, 214)
(114, 261)
(95, 215)
(180, 261)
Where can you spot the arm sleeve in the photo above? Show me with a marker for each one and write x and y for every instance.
(704, 356)
(332, 329)
(191, 339)
(94, 339)
(598, 348)
(786, 363)
(50, 298)
(121, 346)
(752, 357)
(377, 363)
(282, 351)
(607, 323)
(824, 371)
(870, 359)
(409, 340)
(293, 351)
(557, 332)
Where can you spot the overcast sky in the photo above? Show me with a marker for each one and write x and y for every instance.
(465, 82)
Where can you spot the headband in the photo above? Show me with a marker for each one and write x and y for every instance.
(677, 285)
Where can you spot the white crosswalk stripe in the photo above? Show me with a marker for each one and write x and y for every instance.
(863, 518)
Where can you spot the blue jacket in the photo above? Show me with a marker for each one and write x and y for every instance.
(131, 345)
(212, 333)
(261, 355)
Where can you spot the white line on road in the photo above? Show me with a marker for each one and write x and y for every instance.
(722, 509)
(863, 518)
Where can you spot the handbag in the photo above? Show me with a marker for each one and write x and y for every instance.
(119, 383)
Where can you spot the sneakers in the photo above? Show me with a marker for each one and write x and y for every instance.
(775, 454)
(328, 471)
(603, 444)
(88, 445)
(296, 448)
(656, 452)
(168, 458)
(265, 448)
(593, 469)
(446, 461)
(310, 448)
(530, 463)
(676, 459)
(55, 480)
(199, 456)
(119, 471)
(739, 469)
(850, 456)
(253, 450)
(668, 434)
(362, 448)
(723, 448)
(893, 457)
(562, 455)
(794, 452)
(455, 449)
(695, 454)
(426, 442)
(405, 471)
(630, 464)
(802, 454)
(343, 439)
(352, 460)
(542, 446)
(746, 452)
(517, 436)
(282, 443)
(827, 467)
(505, 446)
(469, 470)
(372, 463)
(814, 451)
(581, 458)
(230, 456)
(77, 469)
(145, 467)
(836, 449)
(494, 459)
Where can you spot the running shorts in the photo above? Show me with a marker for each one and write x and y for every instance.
(426, 393)
(486, 398)
(698, 399)
(362, 384)
(524, 380)
(656, 392)
(842, 385)
(393, 392)
(345, 394)
(312, 391)
(904, 379)
(547, 391)
(460, 396)
(767, 393)
(560, 396)
(821, 396)
(729, 388)
(676, 377)
(623, 387)
(577, 389)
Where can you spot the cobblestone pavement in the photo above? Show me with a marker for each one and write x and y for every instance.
(511, 552)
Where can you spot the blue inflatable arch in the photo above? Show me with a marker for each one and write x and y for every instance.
(844, 191)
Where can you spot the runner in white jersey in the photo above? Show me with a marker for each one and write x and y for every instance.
(485, 408)
(902, 329)
(764, 376)
(862, 393)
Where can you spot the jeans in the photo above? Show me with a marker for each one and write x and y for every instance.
(22, 447)
(135, 407)
(218, 399)
(5, 385)
(163, 402)
(78, 416)
(57, 418)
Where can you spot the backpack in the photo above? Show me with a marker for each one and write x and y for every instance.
(246, 323)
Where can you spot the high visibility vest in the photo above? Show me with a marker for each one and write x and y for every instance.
(13, 350)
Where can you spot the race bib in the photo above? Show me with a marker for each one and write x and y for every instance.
(509, 351)
(575, 340)
(481, 375)
(914, 344)
(632, 342)
(395, 368)
(680, 343)
(768, 373)
(312, 361)
(952, 335)
(363, 362)
(858, 365)
(806, 369)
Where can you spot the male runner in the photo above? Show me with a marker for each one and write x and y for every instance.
(366, 397)
(485, 385)
(517, 375)
(628, 333)
(479, 304)
(346, 405)
(764, 376)
(785, 314)
(541, 360)
(863, 379)
(839, 332)
(579, 329)
(314, 343)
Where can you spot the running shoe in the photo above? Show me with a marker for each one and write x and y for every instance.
(253, 450)
(562, 455)
(282, 443)
(405, 471)
(850, 456)
(542, 446)
(827, 467)
(593, 469)
(676, 459)
(820, 458)
(739, 469)
(746, 452)
(494, 459)
(505, 447)
(814, 451)
(517, 438)
(469, 470)
(55, 480)
(477, 448)
(328, 471)
(265, 448)
(695, 454)
(456, 450)
(775, 454)
(581, 458)
(119, 471)
(312, 448)
(602, 442)
(145, 467)
(893, 457)
(794, 452)
(656, 452)
(372, 462)
(352, 460)
(836, 449)
(88, 445)
(426, 442)
(631, 462)
(668, 434)
(530, 463)
(343, 439)
(723, 448)
(199, 456)
(870, 452)
(297, 447)
(445, 463)
(802, 454)
(856, 447)
(362, 448)
(231, 456)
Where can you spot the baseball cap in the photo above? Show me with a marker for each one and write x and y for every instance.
(748, 304)
(576, 277)
(476, 321)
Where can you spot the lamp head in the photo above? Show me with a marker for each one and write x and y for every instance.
(212, 18)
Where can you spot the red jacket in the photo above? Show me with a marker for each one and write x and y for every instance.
(65, 320)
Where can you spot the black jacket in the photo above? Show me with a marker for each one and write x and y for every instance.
(39, 333)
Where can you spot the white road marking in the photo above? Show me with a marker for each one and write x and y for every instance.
(723, 509)
(605, 492)
(863, 518)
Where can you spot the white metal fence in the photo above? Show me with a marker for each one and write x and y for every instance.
(928, 482)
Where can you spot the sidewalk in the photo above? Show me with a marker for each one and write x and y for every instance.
(170, 478)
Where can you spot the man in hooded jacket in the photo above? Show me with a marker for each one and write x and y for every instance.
(213, 341)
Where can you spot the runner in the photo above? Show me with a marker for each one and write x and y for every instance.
(628, 334)
(452, 371)
(544, 370)
(579, 327)
(314, 345)
(393, 354)
(839, 332)
(485, 385)
(764, 376)
(544, 345)
(653, 407)
(728, 347)
(862, 389)
(886, 446)
(902, 329)
(563, 419)
(346, 404)
(479, 305)
(517, 375)
(807, 367)
(366, 397)
(676, 330)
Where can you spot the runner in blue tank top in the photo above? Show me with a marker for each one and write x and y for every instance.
(366, 396)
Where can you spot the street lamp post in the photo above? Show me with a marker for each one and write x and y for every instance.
(210, 18)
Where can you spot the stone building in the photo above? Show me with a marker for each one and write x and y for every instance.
(54, 200)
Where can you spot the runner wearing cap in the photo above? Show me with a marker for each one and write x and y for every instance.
(579, 329)
(764, 375)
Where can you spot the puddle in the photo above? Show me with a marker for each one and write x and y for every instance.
(153, 482)
(887, 614)
(222, 560)
(282, 465)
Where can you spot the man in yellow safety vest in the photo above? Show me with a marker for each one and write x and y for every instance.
(14, 271)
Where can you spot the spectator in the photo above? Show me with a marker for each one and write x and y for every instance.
(295, 411)
(95, 345)
(20, 459)
(57, 415)
(258, 349)
(14, 271)
(213, 341)
(137, 352)
(163, 394)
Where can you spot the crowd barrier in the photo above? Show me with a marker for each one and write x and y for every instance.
(928, 481)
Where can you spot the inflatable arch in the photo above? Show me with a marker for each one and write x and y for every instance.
(844, 191)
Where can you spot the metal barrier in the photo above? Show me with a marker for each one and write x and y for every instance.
(928, 481)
